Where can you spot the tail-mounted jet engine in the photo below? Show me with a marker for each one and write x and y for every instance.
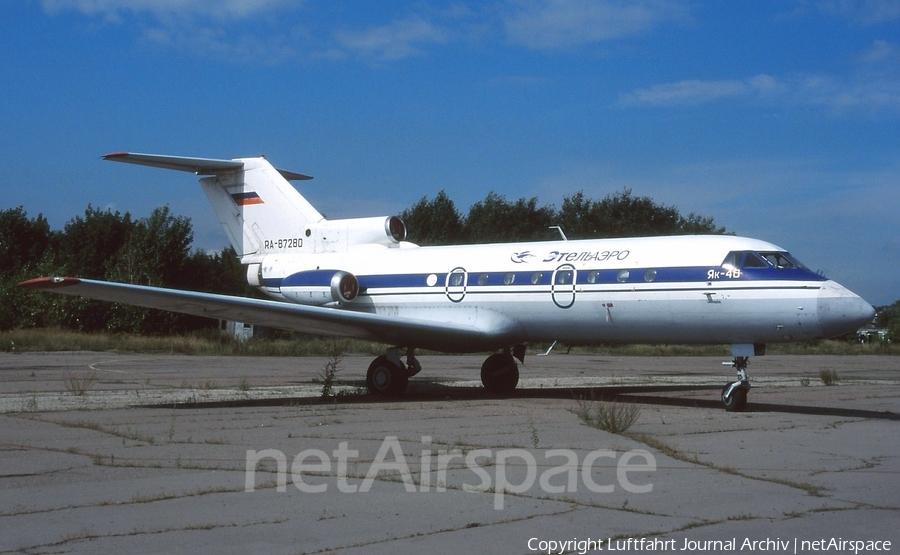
(341, 235)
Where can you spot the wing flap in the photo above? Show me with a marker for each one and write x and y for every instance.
(320, 321)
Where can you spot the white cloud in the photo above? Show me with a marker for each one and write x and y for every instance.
(863, 12)
(550, 24)
(221, 43)
(873, 92)
(222, 29)
(694, 91)
(399, 39)
(881, 51)
(164, 9)
(254, 30)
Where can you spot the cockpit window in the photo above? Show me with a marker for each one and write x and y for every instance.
(749, 259)
(780, 260)
(752, 260)
(733, 260)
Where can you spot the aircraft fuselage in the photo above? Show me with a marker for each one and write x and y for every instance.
(655, 289)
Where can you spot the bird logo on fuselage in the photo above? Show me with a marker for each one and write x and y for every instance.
(521, 257)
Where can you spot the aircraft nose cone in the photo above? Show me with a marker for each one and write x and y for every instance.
(841, 311)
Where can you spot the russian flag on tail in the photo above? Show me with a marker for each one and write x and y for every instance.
(246, 199)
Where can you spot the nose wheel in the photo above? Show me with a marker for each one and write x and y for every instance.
(734, 395)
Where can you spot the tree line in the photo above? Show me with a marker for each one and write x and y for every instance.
(497, 220)
(107, 245)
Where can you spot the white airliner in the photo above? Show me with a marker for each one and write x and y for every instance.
(360, 278)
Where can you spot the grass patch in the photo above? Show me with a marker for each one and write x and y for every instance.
(203, 343)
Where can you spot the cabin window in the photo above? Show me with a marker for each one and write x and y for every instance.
(456, 279)
(593, 276)
(622, 276)
(509, 278)
(482, 279)
(650, 275)
(535, 278)
(563, 277)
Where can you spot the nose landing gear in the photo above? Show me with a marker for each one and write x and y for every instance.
(734, 395)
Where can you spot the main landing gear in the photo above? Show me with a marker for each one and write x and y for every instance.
(734, 395)
(500, 374)
(388, 375)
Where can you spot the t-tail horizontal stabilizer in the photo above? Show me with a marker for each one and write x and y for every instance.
(199, 166)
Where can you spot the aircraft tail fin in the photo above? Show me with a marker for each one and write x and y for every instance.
(256, 205)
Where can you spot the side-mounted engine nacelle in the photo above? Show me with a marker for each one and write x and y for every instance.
(339, 235)
(320, 287)
(310, 287)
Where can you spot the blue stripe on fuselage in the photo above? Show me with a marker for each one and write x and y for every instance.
(544, 276)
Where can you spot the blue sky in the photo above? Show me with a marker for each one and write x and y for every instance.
(780, 119)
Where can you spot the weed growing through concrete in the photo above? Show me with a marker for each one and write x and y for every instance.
(829, 376)
(30, 404)
(608, 416)
(535, 439)
(244, 385)
(329, 373)
(170, 434)
(79, 384)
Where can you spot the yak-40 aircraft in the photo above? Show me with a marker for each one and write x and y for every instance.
(360, 278)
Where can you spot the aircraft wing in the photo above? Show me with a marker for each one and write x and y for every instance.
(484, 334)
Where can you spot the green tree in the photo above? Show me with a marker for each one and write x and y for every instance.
(220, 272)
(581, 218)
(23, 244)
(23, 241)
(497, 220)
(90, 244)
(622, 214)
(889, 319)
(434, 222)
(695, 224)
(155, 253)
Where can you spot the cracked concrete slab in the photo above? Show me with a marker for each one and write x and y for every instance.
(153, 456)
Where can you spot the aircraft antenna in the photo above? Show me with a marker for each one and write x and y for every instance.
(559, 229)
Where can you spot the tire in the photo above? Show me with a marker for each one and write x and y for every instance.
(500, 375)
(737, 401)
(386, 379)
